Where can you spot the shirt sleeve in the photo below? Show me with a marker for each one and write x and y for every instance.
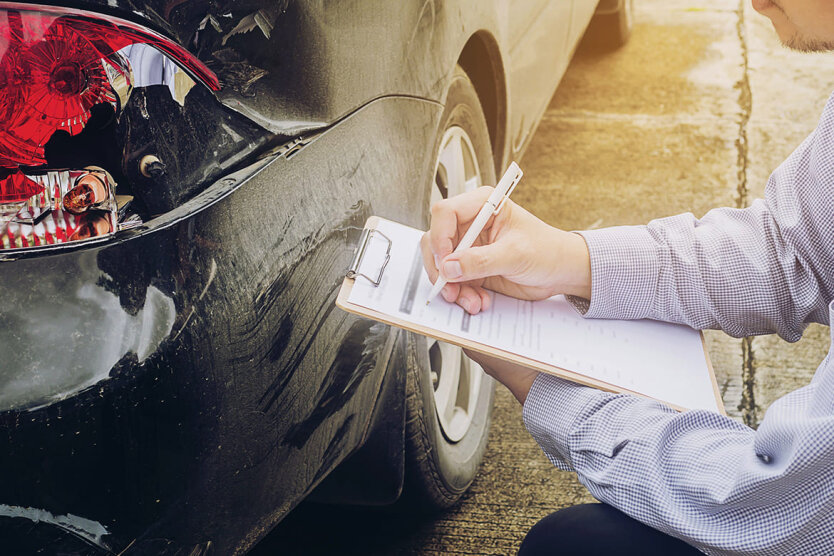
(748, 271)
(699, 476)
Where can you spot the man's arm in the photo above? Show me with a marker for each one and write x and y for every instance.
(700, 476)
(766, 268)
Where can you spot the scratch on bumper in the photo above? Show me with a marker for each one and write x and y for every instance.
(87, 529)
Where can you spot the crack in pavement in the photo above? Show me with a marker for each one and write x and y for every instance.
(745, 102)
(747, 406)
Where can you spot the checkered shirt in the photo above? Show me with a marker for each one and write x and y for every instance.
(699, 476)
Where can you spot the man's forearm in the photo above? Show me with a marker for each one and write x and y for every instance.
(698, 476)
(732, 270)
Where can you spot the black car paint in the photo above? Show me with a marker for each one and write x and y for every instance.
(209, 382)
(149, 443)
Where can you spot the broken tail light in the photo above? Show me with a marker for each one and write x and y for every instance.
(71, 205)
(56, 64)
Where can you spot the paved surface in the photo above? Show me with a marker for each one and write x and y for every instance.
(694, 112)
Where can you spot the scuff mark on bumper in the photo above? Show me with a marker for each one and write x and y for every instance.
(87, 529)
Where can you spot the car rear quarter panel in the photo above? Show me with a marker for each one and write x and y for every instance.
(256, 385)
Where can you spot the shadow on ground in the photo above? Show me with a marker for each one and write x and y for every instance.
(315, 529)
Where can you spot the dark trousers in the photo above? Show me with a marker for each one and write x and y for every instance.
(598, 529)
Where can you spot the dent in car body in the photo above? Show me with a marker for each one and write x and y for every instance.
(197, 142)
(319, 62)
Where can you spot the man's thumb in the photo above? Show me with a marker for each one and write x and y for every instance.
(474, 263)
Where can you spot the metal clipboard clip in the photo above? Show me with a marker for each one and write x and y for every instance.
(361, 249)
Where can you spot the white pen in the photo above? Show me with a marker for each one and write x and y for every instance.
(502, 192)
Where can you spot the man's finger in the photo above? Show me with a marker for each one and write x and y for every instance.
(486, 298)
(470, 299)
(450, 292)
(450, 214)
(429, 258)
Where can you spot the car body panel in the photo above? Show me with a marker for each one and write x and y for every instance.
(185, 384)
(539, 39)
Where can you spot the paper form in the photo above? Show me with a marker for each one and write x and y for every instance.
(660, 360)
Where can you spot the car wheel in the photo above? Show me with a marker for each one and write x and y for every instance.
(448, 396)
(610, 31)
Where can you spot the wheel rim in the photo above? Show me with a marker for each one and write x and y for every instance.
(455, 378)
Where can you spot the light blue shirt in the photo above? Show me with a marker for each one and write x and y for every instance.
(699, 476)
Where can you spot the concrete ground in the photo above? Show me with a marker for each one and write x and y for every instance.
(693, 113)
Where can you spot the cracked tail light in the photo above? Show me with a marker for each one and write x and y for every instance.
(56, 64)
(16, 187)
(70, 205)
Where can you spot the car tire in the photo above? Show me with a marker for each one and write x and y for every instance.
(443, 455)
(610, 31)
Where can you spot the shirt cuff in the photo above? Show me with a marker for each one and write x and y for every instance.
(551, 411)
(625, 265)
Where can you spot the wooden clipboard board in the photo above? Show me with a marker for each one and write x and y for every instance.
(353, 274)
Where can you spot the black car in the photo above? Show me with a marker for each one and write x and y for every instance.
(182, 184)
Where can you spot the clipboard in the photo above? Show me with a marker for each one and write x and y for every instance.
(356, 272)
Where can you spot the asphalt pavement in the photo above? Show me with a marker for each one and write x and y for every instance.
(694, 113)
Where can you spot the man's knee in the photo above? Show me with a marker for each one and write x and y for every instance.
(562, 532)
(591, 529)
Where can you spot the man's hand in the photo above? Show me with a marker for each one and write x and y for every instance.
(517, 254)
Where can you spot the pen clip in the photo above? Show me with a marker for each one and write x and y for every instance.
(506, 196)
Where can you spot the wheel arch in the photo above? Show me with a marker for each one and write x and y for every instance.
(481, 60)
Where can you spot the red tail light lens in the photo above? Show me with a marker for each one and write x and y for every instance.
(56, 64)
(17, 187)
(46, 84)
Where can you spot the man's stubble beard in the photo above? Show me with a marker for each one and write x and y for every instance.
(802, 44)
